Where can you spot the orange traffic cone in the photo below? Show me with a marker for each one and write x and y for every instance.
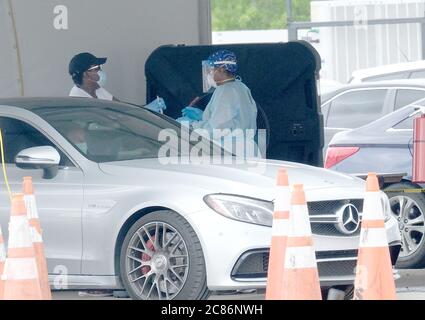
(282, 204)
(37, 239)
(20, 269)
(300, 276)
(2, 260)
(374, 276)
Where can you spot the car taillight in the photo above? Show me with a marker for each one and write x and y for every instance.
(335, 155)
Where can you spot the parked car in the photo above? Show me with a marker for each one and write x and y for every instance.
(114, 215)
(405, 70)
(385, 146)
(355, 105)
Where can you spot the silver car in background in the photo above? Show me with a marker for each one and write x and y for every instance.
(386, 146)
(355, 105)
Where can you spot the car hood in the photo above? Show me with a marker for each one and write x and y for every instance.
(252, 176)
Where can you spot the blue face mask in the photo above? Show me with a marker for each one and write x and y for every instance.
(102, 78)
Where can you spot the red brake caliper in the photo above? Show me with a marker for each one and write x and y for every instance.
(146, 257)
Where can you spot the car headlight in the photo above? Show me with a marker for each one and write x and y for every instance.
(386, 206)
(243, 209)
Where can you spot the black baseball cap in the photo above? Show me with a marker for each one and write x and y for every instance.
(82, 62)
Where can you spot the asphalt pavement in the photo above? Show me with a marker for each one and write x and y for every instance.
(410, 286)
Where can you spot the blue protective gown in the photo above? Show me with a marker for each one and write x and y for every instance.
(231, 107)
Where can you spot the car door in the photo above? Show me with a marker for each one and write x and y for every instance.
(59, 199)
(353, 109)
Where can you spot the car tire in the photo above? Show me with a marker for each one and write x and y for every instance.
(161, 259)
(413, 255)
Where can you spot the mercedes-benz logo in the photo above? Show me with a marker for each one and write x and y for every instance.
(348, 219)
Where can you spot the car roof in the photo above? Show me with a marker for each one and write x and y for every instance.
(30, 103)
(389, 68)
(411, 83)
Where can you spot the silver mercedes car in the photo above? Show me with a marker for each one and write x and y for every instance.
(116, 214)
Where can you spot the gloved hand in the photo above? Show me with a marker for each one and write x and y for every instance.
(158, 105)
(193, 113)
(184, 121)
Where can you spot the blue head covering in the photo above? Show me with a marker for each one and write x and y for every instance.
(224, 58)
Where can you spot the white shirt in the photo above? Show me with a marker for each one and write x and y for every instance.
(101, 93)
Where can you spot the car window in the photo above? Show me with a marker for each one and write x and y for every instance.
(119, 133)
(388, 76)
(356, 108)
(419, 74)
(407, 123)
(19, 135)
(407, 96)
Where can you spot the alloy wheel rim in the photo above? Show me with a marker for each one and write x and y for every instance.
(411, 224)
(157, 262)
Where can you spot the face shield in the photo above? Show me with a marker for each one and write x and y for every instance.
(208, 82)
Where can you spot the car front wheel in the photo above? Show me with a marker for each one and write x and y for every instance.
(162, 259)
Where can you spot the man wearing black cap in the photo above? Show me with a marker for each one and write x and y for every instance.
(88, 76)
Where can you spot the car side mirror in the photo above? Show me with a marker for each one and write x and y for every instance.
(46, 158)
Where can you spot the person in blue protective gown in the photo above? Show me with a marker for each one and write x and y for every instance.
(231, 108)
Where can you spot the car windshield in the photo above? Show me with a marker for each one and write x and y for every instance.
(124, 132)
